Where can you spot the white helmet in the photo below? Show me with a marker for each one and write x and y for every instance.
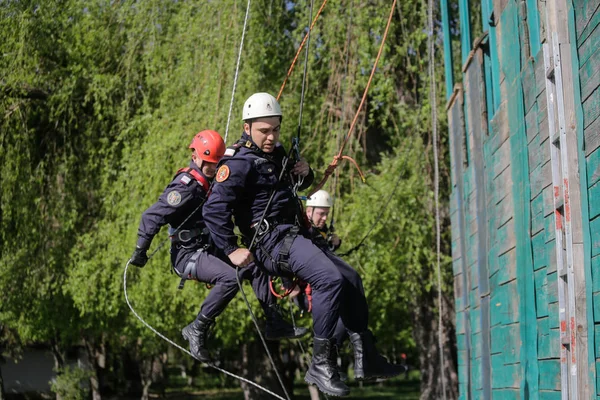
(320, 199)
(261, 105)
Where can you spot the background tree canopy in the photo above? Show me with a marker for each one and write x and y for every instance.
(98, 102)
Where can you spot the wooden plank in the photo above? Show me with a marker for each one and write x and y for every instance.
(508, 266)
(543, 335)
(475, 321)
(540, 75)
(541, 294)
(505, 304)
(587, 48)
(597, 375)
(591, 108)
(538, 151)
(596, 275)
(499, 187)
(531, 123)
(537, 212)
(505, 375)
(550, 395)
(504, 211)
(505, 340)
(549, 374)
(529, 85)
(593, 167)
(597, 338)
(458, 293)
(499, 6)
(586, 17)
(589, 75)
(591, 136)
(596, 302)
(594, 200)
(548, 204)
(553, 316)
(540, 259)
(500, 160)
(540, 177)
(595, 230)
(499, 131)
(551, 252)
(506, 237)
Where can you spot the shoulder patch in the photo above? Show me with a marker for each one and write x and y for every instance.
(229, 152)
(174, 197)
(222, 173)
(185, 180)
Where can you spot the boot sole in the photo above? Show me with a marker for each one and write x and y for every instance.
(308, 379)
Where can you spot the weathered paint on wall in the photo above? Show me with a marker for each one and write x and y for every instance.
(503, 221)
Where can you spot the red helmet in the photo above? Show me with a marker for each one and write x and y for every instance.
(209, 145)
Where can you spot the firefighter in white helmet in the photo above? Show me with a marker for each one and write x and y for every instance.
(318, 207)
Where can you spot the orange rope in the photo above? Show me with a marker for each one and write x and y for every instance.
(300, 49)
(335, 161)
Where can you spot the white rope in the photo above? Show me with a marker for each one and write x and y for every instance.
(431, 51)
(237, 69)
(185, 350)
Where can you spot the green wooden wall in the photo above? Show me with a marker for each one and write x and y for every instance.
(502, 211)
(585, 29)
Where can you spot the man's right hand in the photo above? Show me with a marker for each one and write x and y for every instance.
(139, 258)
(241, 257)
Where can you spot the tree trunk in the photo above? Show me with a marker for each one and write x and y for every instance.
(97, 358)
(151, 371)
(426, 336)
(257, 368)
(2, 395)
(59, 361)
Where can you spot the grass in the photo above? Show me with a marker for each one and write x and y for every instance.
(396, 389)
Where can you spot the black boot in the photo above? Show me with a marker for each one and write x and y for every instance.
(323, 372)
(368, 363)
(196, 334)
(335, 352)
(277, 328)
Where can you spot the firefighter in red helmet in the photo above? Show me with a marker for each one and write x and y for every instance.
(192, 254)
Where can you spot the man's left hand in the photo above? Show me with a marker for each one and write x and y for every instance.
(301, 168)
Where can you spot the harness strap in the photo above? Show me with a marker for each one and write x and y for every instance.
(188, 272)
(284, 250)
(199, 178)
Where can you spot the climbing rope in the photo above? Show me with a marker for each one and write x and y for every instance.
(185, 350)
(237, 69)
(336, 159)
(262, 339)
(436, 179)
(306, 37)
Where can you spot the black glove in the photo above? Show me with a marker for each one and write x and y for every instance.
(139, 258)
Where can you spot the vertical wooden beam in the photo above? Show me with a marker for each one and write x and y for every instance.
(457, 133)
(449, 73)
(581, 239)
(465, 29)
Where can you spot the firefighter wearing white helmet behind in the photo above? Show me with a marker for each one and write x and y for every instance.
(318, 207)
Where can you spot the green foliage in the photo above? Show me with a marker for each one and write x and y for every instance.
(98, 103)
(71, 383)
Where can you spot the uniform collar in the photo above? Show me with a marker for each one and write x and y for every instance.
(247, 142)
